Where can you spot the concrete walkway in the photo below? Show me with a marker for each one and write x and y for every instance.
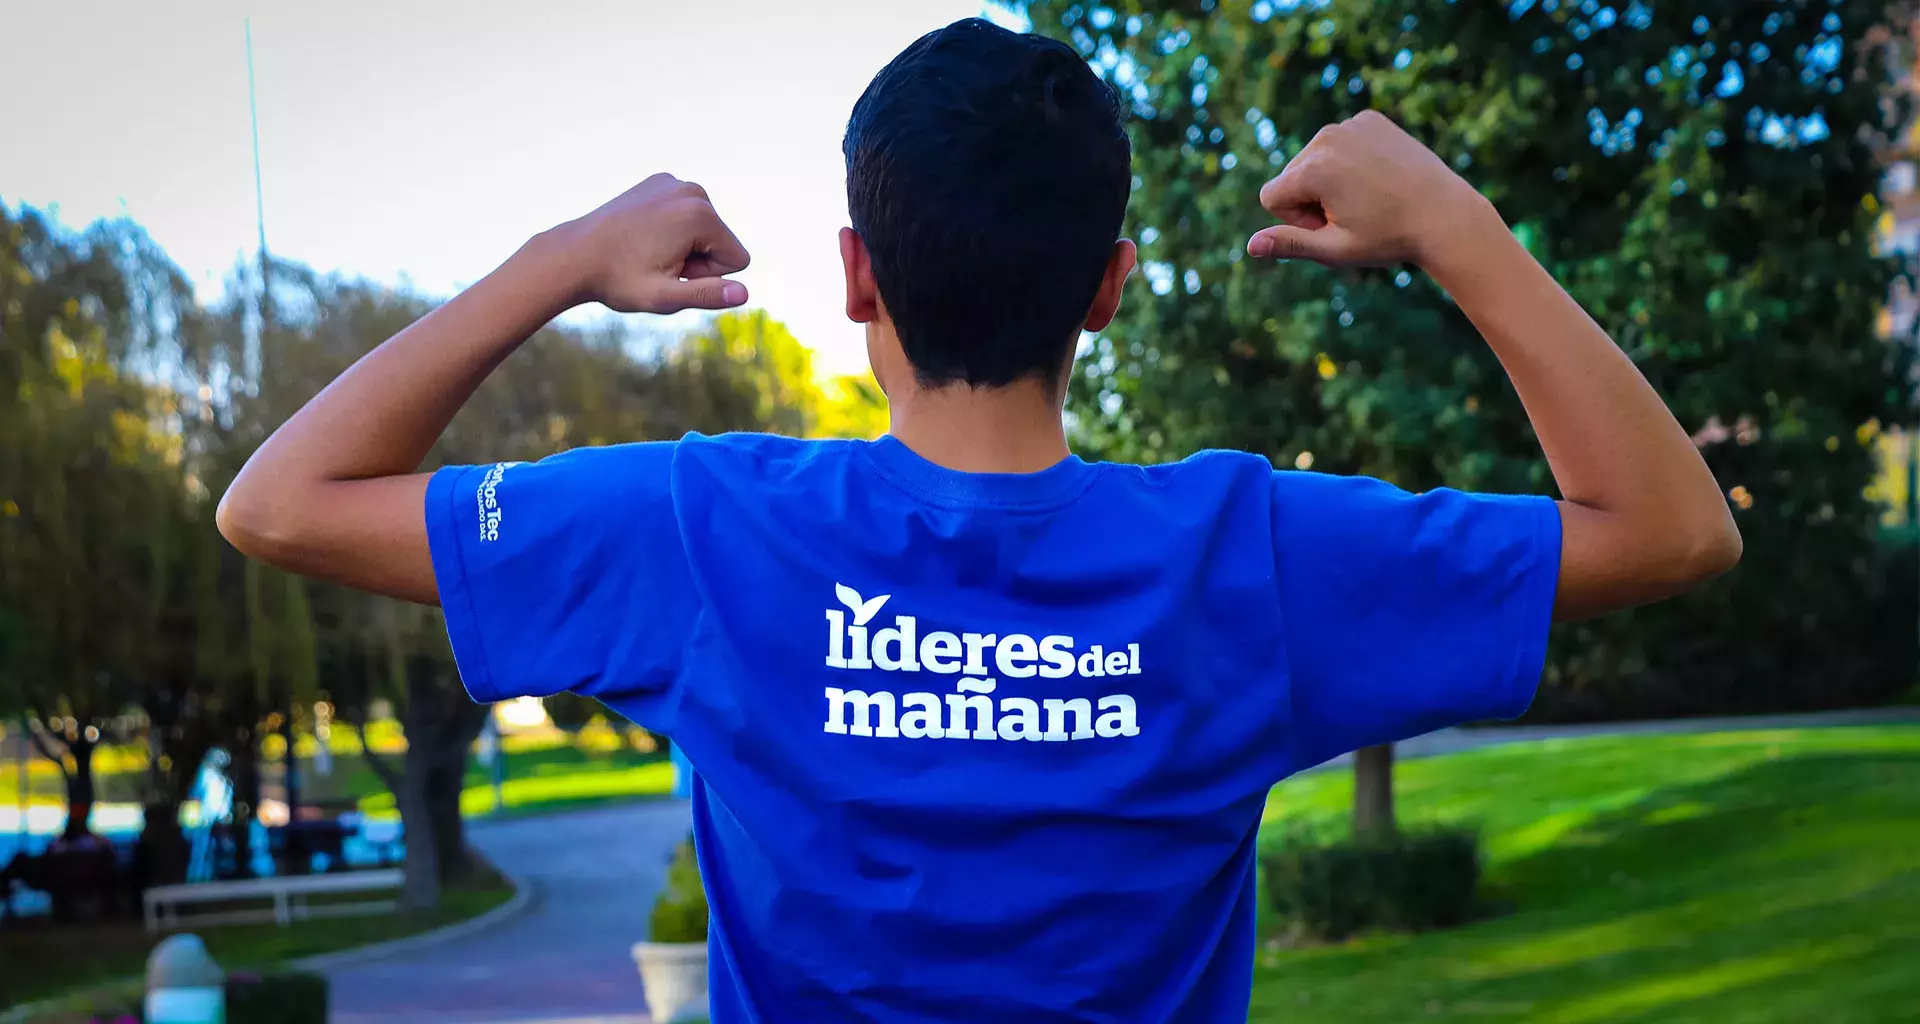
(564, 960)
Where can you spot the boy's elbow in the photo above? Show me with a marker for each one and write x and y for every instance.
(250, 524)
(235, 519)
(1714, 550)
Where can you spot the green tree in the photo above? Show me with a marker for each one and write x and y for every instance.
(93, 516)
(76, 575)
(1701, 176)
(851, 405)
(759, 355)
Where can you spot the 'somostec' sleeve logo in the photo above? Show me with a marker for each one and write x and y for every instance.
(487, 497)
(968, 713)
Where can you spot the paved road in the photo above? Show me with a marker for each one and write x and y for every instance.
(564, 960)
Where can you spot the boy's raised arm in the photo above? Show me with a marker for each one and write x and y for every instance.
(334, 493)
(1642, 517)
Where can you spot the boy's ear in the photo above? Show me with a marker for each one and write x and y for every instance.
(1106, 301)
(863, 304)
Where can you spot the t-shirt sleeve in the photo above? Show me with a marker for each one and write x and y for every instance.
(1405, 613)
(567, 574)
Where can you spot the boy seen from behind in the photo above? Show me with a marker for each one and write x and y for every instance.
(983, 731)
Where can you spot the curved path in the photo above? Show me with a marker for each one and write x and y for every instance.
(563, 960)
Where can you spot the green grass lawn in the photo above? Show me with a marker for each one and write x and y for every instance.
(40, 960)
(1751, 877)
(544, 771)
(556, 784)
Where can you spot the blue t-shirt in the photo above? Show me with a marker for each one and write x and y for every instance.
(977, 747)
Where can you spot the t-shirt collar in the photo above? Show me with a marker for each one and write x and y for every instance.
(1058, 483)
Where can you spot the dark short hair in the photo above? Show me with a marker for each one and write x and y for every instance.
(987, 173)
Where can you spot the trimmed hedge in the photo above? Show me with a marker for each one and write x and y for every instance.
(287, 997)
(1413, 881)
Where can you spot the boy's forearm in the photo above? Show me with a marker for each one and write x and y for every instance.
(1620, 458)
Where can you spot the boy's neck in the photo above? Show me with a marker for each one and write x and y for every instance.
(1012, 429)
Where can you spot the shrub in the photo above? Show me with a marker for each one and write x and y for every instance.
(680, 914)
(289, 997)
(1408, 882)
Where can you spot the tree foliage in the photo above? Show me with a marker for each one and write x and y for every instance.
(1703, 177)
(96, 522)
(789, 396)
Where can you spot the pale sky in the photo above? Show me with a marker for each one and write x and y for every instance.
(425, 141)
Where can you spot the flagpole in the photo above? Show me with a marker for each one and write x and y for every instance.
(253, 116)
(290, 777)
(259, 216)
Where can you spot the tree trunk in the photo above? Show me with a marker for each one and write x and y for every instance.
(441, 724)
(290, 779)
(162, 847)
(443, 800)
(244, 773)
(177, 745)
(420, 890)
(1373, 791)
(80, 790)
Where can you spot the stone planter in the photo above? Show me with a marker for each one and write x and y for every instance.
(675, 976)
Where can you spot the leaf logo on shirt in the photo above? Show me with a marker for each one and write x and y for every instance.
(863, 610)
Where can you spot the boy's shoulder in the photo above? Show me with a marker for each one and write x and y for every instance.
(745, 458)
(741, 459)
(1205, 464)
(643, 466)
(765, 451)
(778, 453)
(765, 446)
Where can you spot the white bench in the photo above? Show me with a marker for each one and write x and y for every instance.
(288, 895)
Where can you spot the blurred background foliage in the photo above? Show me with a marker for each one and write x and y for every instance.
(1711, 180)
